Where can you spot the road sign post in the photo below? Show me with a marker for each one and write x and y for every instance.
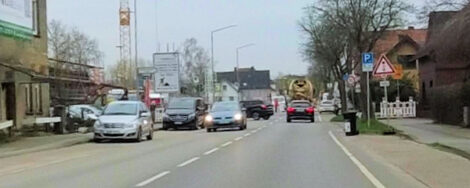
(368, 66)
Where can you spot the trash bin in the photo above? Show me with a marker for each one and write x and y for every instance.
(350, 127)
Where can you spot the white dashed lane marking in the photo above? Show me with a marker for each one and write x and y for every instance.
(238, 138)
(158, 176)
(226, 144)
(247, 134)
(188, 161)
(211, 151)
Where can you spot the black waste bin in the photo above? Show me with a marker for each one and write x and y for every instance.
(350, 127)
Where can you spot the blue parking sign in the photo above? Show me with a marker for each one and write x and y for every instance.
(367, 62)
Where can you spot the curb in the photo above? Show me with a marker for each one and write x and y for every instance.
(46, 147)
(450, 149)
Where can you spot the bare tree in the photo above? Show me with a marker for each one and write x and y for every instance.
(439, 5)
(72, 45)
(195, 63)
(362, 23)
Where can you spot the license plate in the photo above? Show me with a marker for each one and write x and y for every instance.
(111, 132)
(178, 123)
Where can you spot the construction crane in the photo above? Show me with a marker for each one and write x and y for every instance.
(125, 33)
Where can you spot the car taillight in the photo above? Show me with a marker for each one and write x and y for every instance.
(264, 107)
(290, 110)
(309, 110)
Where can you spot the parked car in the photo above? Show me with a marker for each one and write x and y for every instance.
(184, 112)
(257, 109)
(301, 110)
(79, 115)
(124, 120)
(225, 115)
(327, 106)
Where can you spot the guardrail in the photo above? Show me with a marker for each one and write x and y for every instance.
(6, 124)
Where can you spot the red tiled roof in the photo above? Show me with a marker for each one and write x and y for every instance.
(392, 38)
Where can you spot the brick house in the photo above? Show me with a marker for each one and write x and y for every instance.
(400, 46)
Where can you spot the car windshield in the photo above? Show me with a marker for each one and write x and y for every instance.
(121, 109)
(182, 104)
(302, 105)
(223, 106)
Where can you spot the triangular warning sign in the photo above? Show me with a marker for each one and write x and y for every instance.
(383, 67)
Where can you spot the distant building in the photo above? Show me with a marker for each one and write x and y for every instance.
(254, 84)
(24, 91)
(228, 91)
(400, 46)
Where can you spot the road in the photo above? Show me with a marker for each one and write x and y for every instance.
(268, 154)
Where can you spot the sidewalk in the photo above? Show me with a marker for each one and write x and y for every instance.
(424, 131)
(33, 144)
(393, 159)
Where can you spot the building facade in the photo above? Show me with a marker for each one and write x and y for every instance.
(227, 92)
(254, 84)
(24, 91)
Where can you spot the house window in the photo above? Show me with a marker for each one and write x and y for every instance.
(28, 97)
(405, 60)
(231, 98)
(35, 11)
(37, 99)
(224, 87)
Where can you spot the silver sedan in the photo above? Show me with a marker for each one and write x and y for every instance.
(124, 120)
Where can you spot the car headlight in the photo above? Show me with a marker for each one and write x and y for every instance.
(192, 116)
(130, 125)
(209, 118)
(97, 125)
(237, 116)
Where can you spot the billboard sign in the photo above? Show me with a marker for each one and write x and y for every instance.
(167, 72)
(16, 18)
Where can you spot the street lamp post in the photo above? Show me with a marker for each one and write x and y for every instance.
(238, 66)
(212, 58)
(136, 50)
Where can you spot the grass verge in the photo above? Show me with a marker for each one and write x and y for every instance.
(376, 127)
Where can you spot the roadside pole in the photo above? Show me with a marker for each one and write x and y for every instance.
(368, 101)
(368, 66)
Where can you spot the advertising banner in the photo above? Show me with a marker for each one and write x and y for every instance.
(16, 18)
(166, 72)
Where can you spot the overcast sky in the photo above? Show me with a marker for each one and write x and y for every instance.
(271, 24)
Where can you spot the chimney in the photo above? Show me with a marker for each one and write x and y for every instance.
(411, 28)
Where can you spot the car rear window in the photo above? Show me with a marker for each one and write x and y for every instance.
(327, 102)
(303, 105)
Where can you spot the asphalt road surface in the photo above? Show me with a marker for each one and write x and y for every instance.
(268, 154)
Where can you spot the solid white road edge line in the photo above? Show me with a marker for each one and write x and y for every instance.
(361, 167)
(188, 161)
(211, 151)
(226, 143)
(238, 138)
(144, 183)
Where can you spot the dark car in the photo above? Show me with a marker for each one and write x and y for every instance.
(300, 110)
(257, 109)
(225, 115)
(184, 112)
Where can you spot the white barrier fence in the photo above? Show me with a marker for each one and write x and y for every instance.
(5, 124)
(398, 109)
